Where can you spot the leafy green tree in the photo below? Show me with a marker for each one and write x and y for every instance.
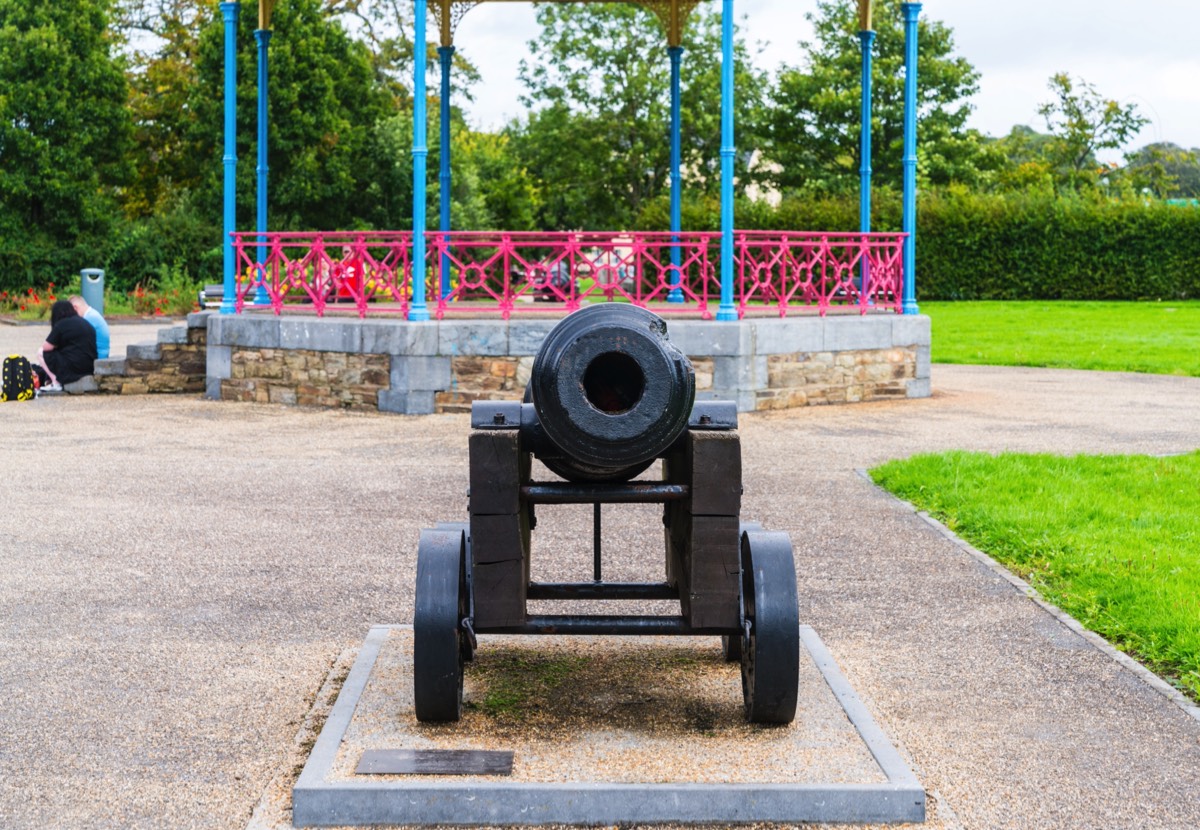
(64, 129)
(599, 85)
(162, 77)
(814, 116)
(491, 191)
(1083, 122)
(1027, 166)
(324, 102)
(1168, 170)
(386, 27)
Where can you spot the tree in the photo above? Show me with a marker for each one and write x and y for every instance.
(162, 77)
(1027, 164)
(324, 102)
(600, 86)
(490, 188)
(385, 26)
(64, 129)
(814, 120)
(1084, 122)
(1168, 170)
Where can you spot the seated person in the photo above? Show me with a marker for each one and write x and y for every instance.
(98, 323)
(69, 352)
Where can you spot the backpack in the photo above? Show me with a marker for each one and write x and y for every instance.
(17, 377)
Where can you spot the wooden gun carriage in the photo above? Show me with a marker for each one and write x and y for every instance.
(609, 394)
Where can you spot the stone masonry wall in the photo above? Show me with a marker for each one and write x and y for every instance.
(808, 378)
(176, 363)
(444, 366)
(302, 377)
(793, 380)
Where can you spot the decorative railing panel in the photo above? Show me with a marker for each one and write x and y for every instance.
(788, 270)
(519, 273)
(530, 272)
(369, 270)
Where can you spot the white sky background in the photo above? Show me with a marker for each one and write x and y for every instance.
(1146, 53)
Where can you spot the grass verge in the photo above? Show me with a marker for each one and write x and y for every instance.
(1112, 540)
(1156, 338)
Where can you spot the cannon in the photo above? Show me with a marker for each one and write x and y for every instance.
(609, 394)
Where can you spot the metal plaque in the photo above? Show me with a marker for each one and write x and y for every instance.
(434, 762)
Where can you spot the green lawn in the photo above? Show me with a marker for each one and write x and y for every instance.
(1159, 338)
(1112, 540)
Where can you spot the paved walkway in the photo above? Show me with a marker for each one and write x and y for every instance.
(26, 339)
(177, 575)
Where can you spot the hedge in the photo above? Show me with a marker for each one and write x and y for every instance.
(1008, 247)
(969, 246)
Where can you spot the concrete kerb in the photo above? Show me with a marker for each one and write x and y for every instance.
(1150, 678)
(318, 801)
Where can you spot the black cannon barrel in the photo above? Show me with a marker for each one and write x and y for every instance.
(611, 391)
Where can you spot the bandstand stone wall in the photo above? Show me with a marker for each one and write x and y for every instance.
(444, 366)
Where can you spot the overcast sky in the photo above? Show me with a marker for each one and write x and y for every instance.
(1144, 53)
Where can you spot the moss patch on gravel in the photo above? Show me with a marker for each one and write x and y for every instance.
(1112, 540)
(664, 689)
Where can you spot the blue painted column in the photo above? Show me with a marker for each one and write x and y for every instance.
(445, 57)
(263, 38)
(867, 39)
(727, 310)
(911, 12)
(419, 311)
(676, 54)
(229, 13)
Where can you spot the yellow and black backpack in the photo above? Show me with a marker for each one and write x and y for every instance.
(17, 379)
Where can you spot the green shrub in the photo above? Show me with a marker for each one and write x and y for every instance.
(1017, 246)
(144, 249)
(1039, 247)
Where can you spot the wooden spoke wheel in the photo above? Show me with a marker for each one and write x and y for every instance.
(442, 603)
(731, 645)
(771, 646)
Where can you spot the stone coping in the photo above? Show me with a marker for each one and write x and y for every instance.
(518, 337)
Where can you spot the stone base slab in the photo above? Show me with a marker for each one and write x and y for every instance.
(594, 747)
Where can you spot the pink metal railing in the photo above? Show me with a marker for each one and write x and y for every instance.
(513, 272)
(819, 269)
(493, 271)
(316, 269)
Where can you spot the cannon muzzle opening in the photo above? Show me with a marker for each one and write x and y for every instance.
(614, 383)
(611, 391)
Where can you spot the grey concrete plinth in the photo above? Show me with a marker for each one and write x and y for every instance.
(422, 354)
(617, 731)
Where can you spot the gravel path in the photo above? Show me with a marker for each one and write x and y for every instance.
(178, 575)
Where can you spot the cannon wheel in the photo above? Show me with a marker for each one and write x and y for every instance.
(468, 642)
(442, 602)
(731, 645)
(771, 646)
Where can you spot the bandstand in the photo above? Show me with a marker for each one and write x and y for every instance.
(803, 304)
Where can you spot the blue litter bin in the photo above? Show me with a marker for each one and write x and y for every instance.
(92, 280)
